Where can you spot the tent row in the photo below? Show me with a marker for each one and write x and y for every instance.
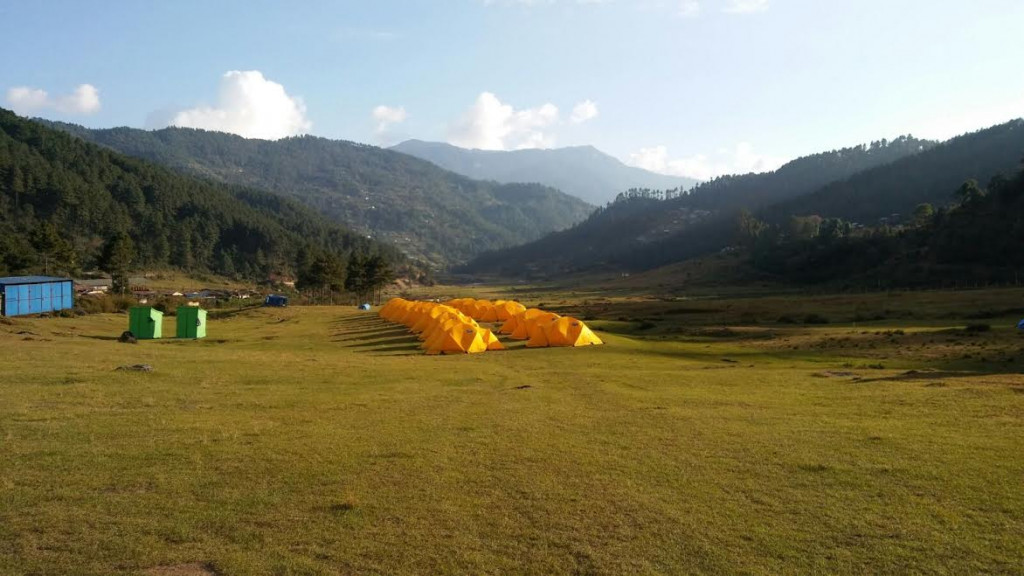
(443, 329)
(485, 310)
(542, 329)
(539, 328)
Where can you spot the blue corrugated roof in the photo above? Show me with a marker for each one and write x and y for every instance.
(13, 280)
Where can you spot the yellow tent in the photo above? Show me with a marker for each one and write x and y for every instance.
(394, 308)
(568, 331)
(410, 316)
(477, 309)
(443, 323)
(432, 316)
(436, 332)
(523, 320)
(459, 339)
(425, 320)
(491, 340)
(507, 309)
(510, 325)
(461, 304)
(537, 330)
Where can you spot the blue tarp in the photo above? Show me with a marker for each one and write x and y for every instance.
(1020, 325)
(276, 300)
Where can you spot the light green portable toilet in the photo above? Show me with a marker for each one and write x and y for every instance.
(191, 322)
(145, 322)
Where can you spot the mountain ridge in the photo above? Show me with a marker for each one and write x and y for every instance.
(582, 171)
(435, 216)
(658, 232)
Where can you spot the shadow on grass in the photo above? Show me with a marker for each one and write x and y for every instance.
(369, 330)
(942, 374)
(368, 335)
(361, 319)
(365, 328)
(106, 338)
(410, 349)
(221, 314)
(378, 341)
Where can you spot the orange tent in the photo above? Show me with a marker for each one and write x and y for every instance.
(537, 330)
(491, 340)
(507, 309)
(523, 320)
(459, 339)
(568, 331)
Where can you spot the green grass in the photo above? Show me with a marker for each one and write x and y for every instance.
(318, 441)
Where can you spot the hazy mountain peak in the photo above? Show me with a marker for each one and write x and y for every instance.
(582, 171)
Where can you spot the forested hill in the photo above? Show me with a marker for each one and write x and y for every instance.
(893, 190)
(65, 204)
(431, 214)
(646, 228)
(583, 171)
(973, 242)
(800, 176)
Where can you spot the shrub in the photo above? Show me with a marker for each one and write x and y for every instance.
(978, 328)
(814, 318)
(103, 304)
(168, 304)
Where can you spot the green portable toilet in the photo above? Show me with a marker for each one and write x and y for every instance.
(191, 322)
(146, 322)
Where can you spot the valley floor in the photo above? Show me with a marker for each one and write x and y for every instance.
(319, 441)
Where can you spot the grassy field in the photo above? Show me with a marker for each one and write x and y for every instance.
(708, 436)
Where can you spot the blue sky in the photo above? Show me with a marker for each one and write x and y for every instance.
(696, 87)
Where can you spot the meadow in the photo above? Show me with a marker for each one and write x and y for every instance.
(879, 433)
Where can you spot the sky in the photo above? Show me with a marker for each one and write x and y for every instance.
(689, 87)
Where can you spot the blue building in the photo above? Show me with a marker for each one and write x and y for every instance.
(35, 295)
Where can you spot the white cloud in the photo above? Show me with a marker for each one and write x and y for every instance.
(85, 99)
(741, 160)
(387, 116)
(688, 9)
(491, 125)
(584, 111)
(746, 6)
(25, 100)
(252, 107)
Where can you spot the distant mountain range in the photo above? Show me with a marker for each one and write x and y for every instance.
(862, 184)
(435, 216)
(582, 171)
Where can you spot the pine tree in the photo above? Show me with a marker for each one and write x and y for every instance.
(117, 260)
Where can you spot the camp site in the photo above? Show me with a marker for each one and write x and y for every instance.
(511, 287)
